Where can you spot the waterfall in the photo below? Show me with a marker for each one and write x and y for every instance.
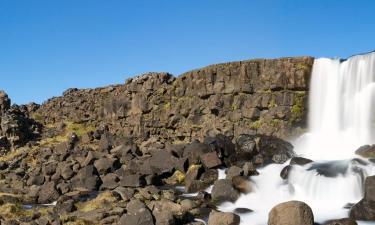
(341, 119)
(341, 116)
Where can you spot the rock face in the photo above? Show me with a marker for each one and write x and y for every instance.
(115, 155)
(16, 126)
(291, 213)
(365, 209)
(255, 96)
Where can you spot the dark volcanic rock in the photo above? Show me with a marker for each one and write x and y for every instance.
(48, 193)
(220, 218)
(86, 179)
(345, 221)
(367, 151)
(223, 190)
(299, 161)
(365, 209)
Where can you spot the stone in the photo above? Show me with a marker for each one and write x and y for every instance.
(299, 161)
(138, 214)
(223, 190)
(110, 181)
(48, 193)
(221, 218)
(134, 180)
(106, 165)
(345, 221)
(210, 160)
(234, 171)
(291, 213)
(284, 174)
(86, 179)
(366, 151)
(241, 184)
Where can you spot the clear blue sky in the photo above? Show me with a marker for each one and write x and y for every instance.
(48, 46)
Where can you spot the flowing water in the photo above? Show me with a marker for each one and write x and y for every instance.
(341, 119)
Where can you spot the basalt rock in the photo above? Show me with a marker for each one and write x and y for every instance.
(291, 213)
(265, 96)
(365, 209)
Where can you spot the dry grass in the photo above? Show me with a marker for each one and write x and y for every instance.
(104, 199)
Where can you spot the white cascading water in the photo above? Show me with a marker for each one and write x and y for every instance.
(341, 119)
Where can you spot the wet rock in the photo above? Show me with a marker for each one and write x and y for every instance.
(249, 169)
(242, 210)
(284, 174)
(241, 184)
(234, 171)
(291, 213)
(345, 221)
(299, 161)
(223, 190)
(246, 146)
(366, 151)
(220, 218)
(365, 209)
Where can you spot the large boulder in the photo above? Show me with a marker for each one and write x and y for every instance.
(87, 179)
(365, 209)
(221, 218)
(344, 221)
(137, 214)
(366, 151)
(263, 149)
(223, 190)
(291, 213)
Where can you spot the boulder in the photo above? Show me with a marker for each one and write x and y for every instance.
(223, 190)
(366, 151)
(291, 213)
(137, 214)
(365, 209)
(221, 218)
(133, 180)
(106, 165)
(86, 179)
(48, 193)
(345, 221)
(299, 161)
(210, 160)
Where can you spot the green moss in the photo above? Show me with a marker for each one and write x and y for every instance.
(302, 66)
(167, 105)
(256, 124)
(275, 123)
(297, 108)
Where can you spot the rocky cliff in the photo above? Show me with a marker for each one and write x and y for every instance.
(263, 96)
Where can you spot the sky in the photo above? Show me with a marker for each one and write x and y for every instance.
(47, 46)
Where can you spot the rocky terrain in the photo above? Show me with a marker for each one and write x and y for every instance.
(129, 154)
